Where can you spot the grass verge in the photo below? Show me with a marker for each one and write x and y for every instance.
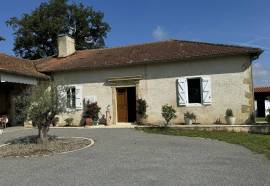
(255, 142)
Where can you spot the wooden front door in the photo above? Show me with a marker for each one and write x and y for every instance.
(122, 105)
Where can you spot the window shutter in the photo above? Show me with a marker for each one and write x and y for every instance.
(62, 93)
(79, 99)
(206, 90)
(182, 91)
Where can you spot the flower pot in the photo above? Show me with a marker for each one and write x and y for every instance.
(141, 120)
(230, 120)
(88, 121)
(95, 122)
(188, 121)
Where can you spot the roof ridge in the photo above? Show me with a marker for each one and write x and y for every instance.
(170, 40)
(7, 55)
(131, 45)
(217, 44)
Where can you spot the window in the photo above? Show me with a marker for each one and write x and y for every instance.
(194, 90)
(71, 97)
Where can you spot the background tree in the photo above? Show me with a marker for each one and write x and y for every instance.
(41, 104)
(36, 33)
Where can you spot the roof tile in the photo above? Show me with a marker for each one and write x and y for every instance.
(144, 53)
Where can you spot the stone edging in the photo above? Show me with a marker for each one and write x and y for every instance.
(59, 153)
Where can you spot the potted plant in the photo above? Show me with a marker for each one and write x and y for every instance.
(69, 121)
(229, 117)
(91, 112)
(141, 111)
(189, 117)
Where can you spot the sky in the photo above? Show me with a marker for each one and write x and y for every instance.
(239, 22)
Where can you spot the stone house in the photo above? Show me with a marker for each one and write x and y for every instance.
(202, 78)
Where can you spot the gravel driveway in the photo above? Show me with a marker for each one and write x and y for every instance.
(130, 157)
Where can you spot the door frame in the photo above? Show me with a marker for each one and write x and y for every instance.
(115, 113)
(123, 81)
(114, 101)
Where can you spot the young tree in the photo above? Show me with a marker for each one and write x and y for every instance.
(41, 104)
(36, 32)
(168, 113)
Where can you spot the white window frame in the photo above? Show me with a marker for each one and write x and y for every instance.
(187, 101)
(194, 104)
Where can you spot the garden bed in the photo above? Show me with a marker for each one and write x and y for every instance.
(28, 146)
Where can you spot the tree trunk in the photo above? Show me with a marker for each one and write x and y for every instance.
(43, 134)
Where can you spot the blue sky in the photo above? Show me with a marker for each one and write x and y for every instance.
(241, 22)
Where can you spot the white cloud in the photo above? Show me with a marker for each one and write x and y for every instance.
(159, 33)
(261, 74)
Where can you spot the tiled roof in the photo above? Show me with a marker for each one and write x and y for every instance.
(10, 64)
(262, 89)
(163, 51)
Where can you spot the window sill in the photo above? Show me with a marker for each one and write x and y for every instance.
(194, 105)
(73, 109)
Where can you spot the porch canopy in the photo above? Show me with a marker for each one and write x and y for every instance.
(15, 76)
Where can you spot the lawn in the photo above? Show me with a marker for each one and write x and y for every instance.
(255, 142)
(260, 119)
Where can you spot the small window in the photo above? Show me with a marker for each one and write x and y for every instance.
(194, 90)
(71, 97)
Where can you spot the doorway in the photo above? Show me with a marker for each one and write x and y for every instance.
(126, 104)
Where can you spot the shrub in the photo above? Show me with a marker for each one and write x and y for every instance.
(55, 121)
(168, 113)
(229, 113)
(69, 121)
(141, 108)
(190, 115)
(268, 118)
(91, 111)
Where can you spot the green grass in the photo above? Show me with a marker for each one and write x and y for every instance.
(260, 119)
(255, 142)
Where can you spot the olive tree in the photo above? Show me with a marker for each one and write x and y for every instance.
(40, 104)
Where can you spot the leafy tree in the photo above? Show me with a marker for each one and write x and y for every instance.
(36, 32)
(168, 113)
(41, 104)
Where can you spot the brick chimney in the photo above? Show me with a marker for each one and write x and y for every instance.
(66, 45)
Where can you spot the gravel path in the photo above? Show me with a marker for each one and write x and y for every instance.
(130, 157)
